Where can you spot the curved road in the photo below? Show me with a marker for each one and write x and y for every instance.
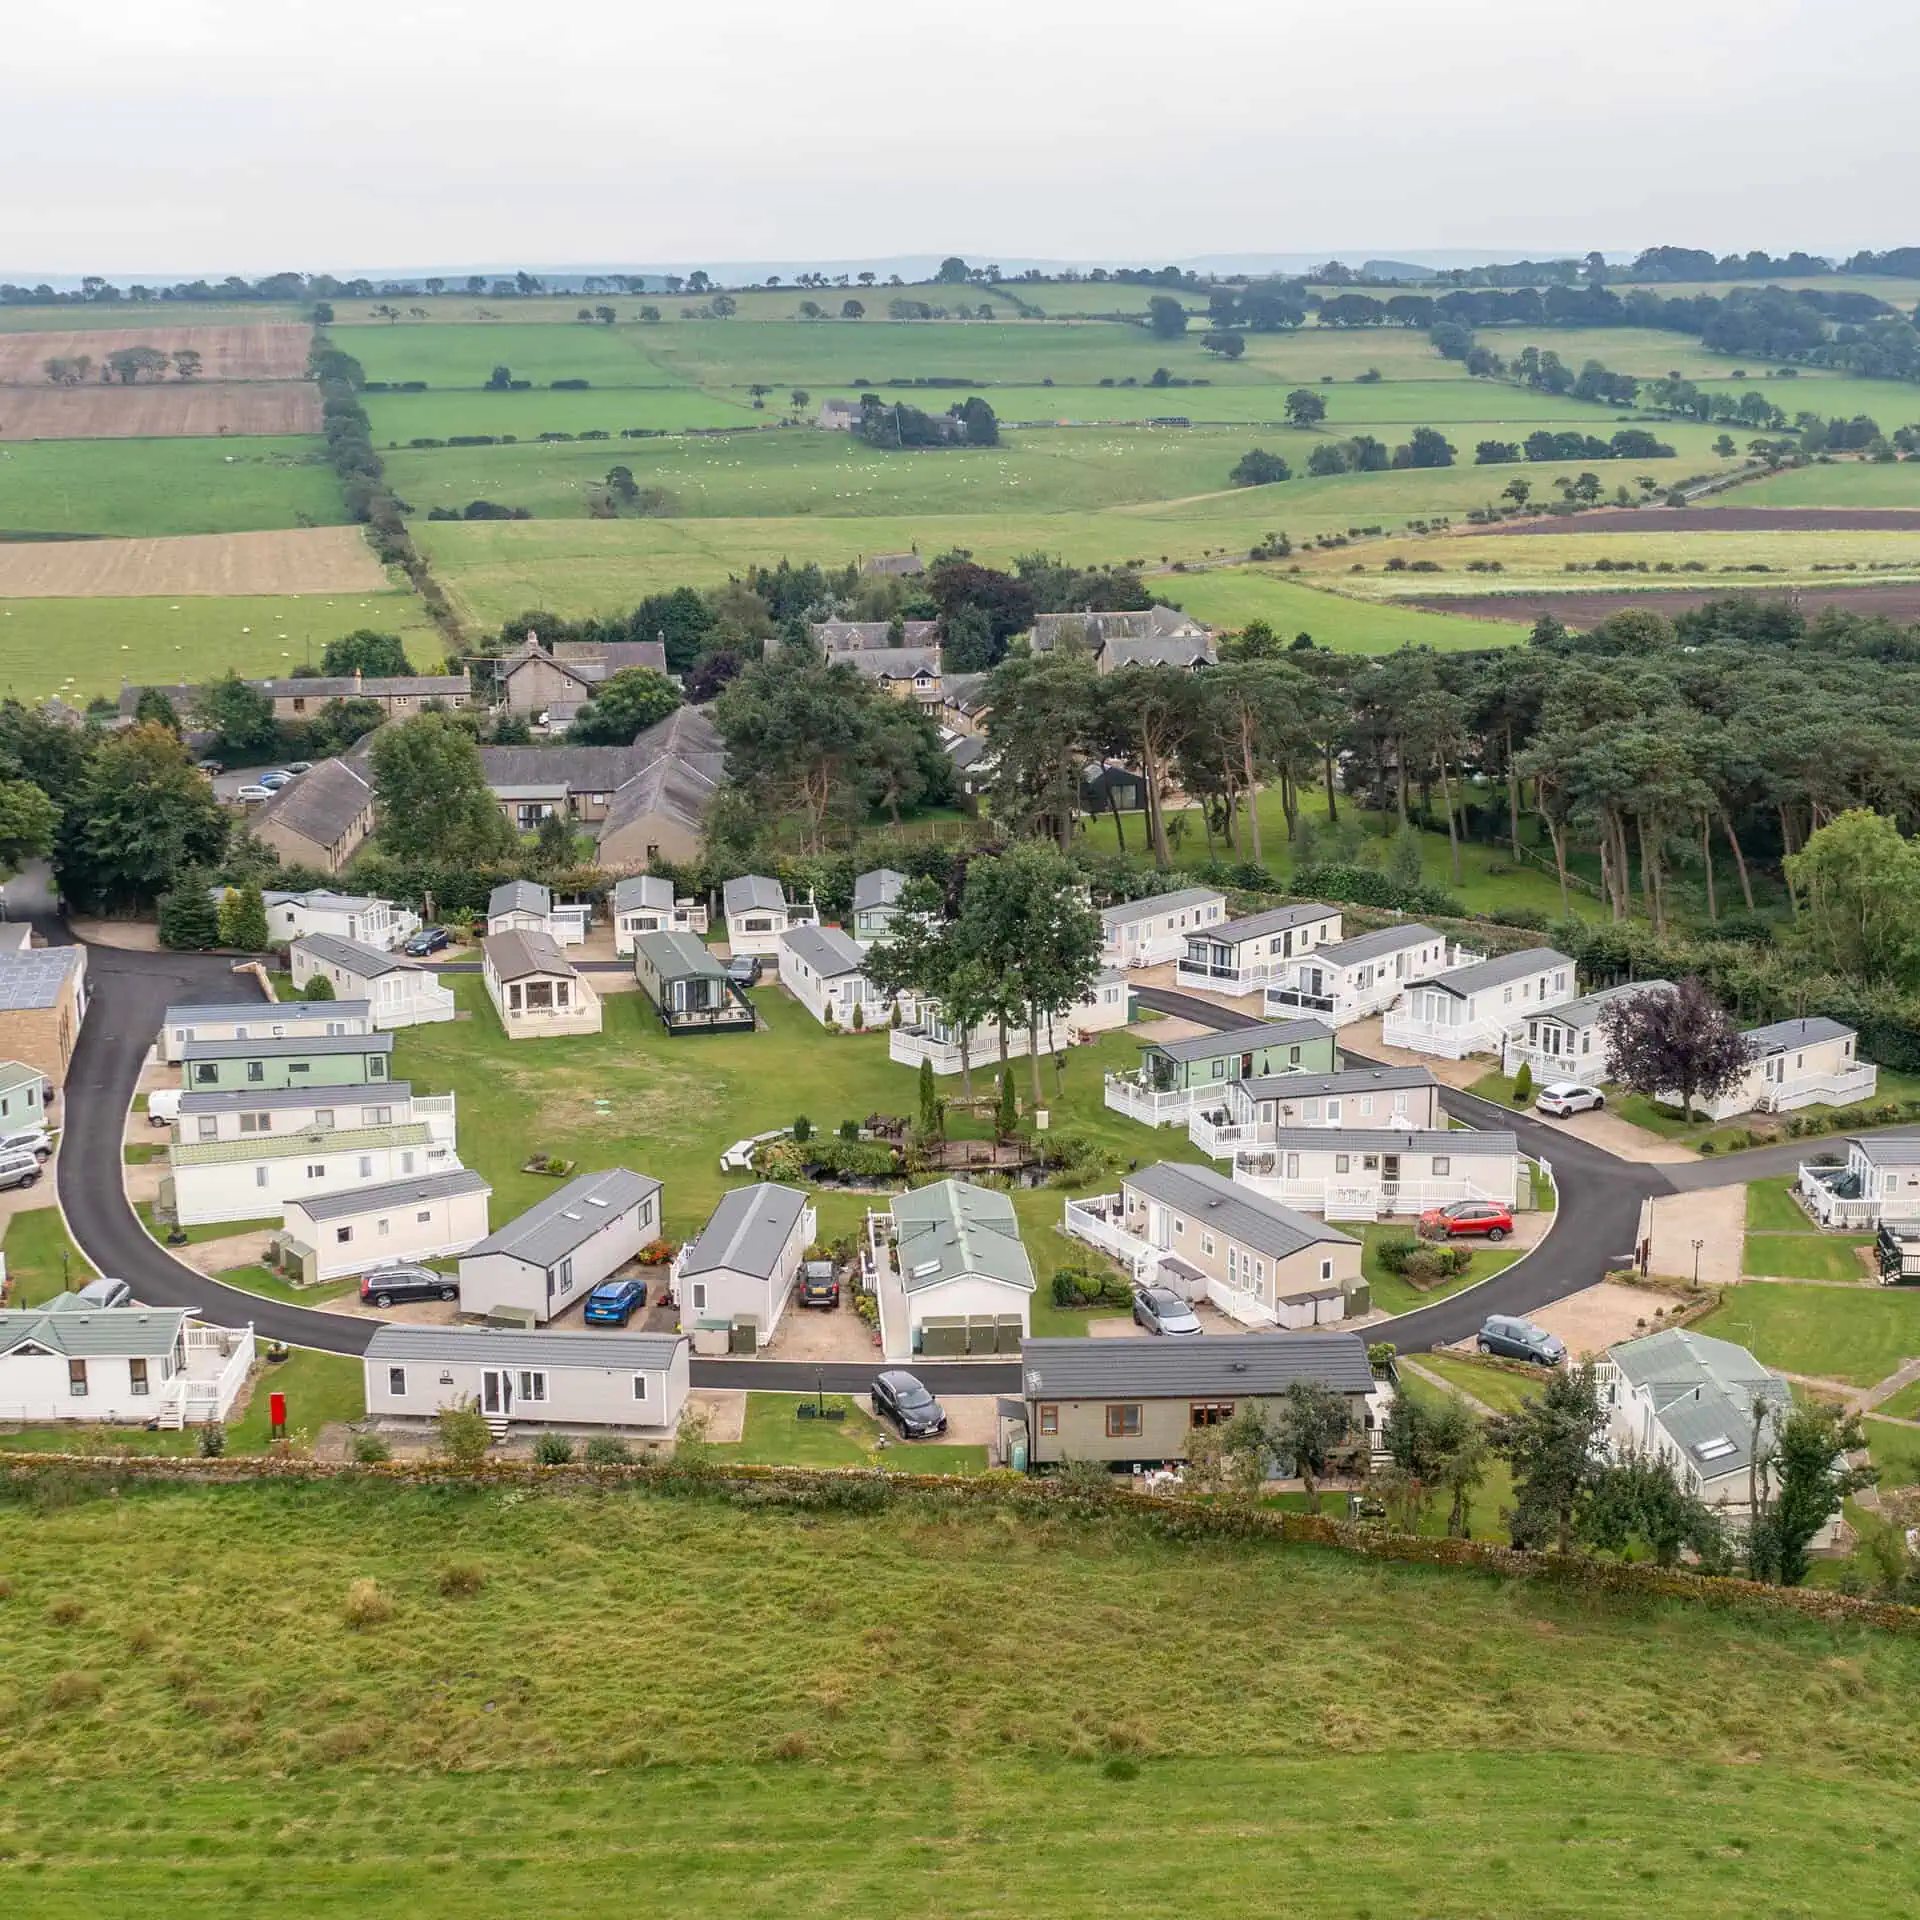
(1595, 1229)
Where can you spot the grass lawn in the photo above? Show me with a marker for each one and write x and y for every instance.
(1730, 1135)
(1805, 1256)
(1859, 1337)
(1896, 1452)
(1395, 1295)
(1771, 1207)
(41, 1257)
(774, 1435)
(1495, 1387)
(263, 1280)
(1904, 1405)
(141, 1153)
(858, 1704)
(213, 1230)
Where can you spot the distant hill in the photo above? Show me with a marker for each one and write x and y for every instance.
(1395, 270)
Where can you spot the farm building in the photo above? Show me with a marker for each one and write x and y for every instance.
(329, 1235)
(399, 993)
(562, 1247)
(733, 1279)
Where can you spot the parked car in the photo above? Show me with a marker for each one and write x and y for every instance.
(299, 766)
(386, 1285)
(1460, 1218)
(253, 792)
(1566, 1097)
(163, 1106)
(18, 1170)
(745, 969)
(277, 779)
(427, 940)
(819, 1284)
(106, 1293)
(901, 1398)
(34, 1140)
(1514, 1339)
(209, 767)
(1161, 1310)
(614, 1302)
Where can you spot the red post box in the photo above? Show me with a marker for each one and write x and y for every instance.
(277, 1412)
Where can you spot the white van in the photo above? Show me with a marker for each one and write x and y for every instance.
(163, 1106)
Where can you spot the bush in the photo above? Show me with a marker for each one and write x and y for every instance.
(607, 1450)
(1393, 1255)
(318, 988)
(802, 1130)
(367, 1606)
(461, 1579)
(1523, 1085)
(370, 1450)
(553, 1450)
(462, 1434)
(213, 1440)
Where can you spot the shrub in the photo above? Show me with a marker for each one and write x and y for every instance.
(462, 1434)
(607, 1450)
(369, 1449)
(213, 1440)
(553, 1450)
(318, 988)
(1393, 1255)
(802, 1130)
(367, 1606)
(460, 1579)
(1523, 1085)
(849, 1129)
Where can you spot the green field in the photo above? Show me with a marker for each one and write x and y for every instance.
(41, 1257)
(129, 318)
(397, 418)
(456, 356)
(1231, 596)
(1806, 1256)
(1846, 483)
(727, 1709)
(1831, 1333)
(156, 487)
(80, 648)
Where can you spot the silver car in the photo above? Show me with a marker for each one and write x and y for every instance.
(1161, 1310)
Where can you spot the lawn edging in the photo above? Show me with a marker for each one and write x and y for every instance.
(867, 1490)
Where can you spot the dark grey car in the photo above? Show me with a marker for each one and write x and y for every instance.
(901, 1398)
(1514, 1339)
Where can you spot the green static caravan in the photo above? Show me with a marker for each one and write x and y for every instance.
(316, 1060)
(1209, 1060)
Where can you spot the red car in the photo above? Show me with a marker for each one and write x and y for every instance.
(1463, 1217)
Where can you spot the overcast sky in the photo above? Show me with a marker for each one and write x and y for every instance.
(252, 135)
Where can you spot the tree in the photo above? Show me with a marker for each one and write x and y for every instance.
(1150, 709)
(1435, 1447)
(981, 424)
(186, 362)
(1426, 447)
(852, 310)
(318, 988)
(1858, 878)
(553, 842)
(1229, 346)
(1040, 733)
(141, 818)
(1518, 491)
(28, 822)
(1006, 1119)
(500, 379)
(932, 1113)
(800, 396)
(1309, 1426)
(378, 656)
(796, 728)
(1670, 1040)
(130, 364)
(240, 716)
(624, 706)
(1258, 468)
(952, 272)
(1638, 1499)
(1305, 408)
(431, 796)
(189, 919)
(1550, 1446)
(1166, 317)
(243, 919)
(1799, 1478)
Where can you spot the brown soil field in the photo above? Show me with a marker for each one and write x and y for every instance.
(263, 352)
(1719, 520)
(1893, 601)
(307, 560)
(171, 412)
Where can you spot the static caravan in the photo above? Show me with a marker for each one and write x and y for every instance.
(1247, 1113)
(1797, 1063)
(758, 913)
(252, 1179)
(823, 968)
(646, 903)
(1245, 955)
(313, 1060)
(1176, 1078)
(734, 1279)
(1473, 1009)
(950, 1272)
(562, 1247)
(1353, 1173)
(1153, 932)
(1353, 979)
(689, 988)
(332, 1235)
(260, 1020)
(1568, 1042)
(399, 993)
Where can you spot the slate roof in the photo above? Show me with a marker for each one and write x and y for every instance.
(521, 956)
(753, 893)
(1153, 623)
(897, 565)
(952, 1229)
(1702, 1390)
(321, 806)
(1889, 1149)
(1274, 920)
(563, 769)
(678, 956)
(1585, 1012)
(1213, 1200)
(285, 1146)
(746, 1231)
(355, 956)
(856, 636)
(1371, 946)
(612, 656)
(391, 1193)
(643, 893)
(964, 692)
(396, 686)
(1462, 1140)
(1272, 1033)
(1230, 1367)
(880, 888)
(1311, 1086)
(894, 663)
(552, 1228)
(385, 1093)
(101, 1334)
(503, 1346)
(1167, 652)
(679, 764)
(1783, 1035)
(1496, 972)
(1178, 902)
(285, 1012)
(34, 976)
(827, 950)
(293, 1047)
(519, 896)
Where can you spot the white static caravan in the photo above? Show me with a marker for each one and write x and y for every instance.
(1247, 1113)
(260, 1020)
(249, 1113)
(1153, 932)
(347, 916)
(400, 1220)
(634, 1381)
(253, 1179)
(562, 1247)
(758, 913)
(1349, 1173)
(119, 1366)
(645, 903)
(740, 1269)
(824, 969)
(1243, 956)
(1568, 1042)
(1472, 1010)
(399, 993)
(1352, 979)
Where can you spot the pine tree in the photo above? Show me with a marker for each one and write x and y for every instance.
(930, 1114)
(243, 920)
(1008, 1121)
(1523, 1085)
(188, 918)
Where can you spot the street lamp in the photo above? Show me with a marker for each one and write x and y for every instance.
(1697, 1245)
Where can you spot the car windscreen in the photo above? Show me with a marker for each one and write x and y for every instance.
(910, 1393)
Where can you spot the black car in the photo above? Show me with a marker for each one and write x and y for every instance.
(745, 969)
(819, 1284)
(901, 1398)
(428, 940)
(387, 1286)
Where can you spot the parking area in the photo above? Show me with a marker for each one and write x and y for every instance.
(822, 1334)
(1600, 1316)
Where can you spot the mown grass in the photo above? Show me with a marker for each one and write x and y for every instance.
(1896, 1452)
(1771, 1208)
(1392, 1294)
(1497, 1387)
(1833, 1334)
(1846, 483)
(1805, 1256)
(1904, 1405)
(209, 1230)
(775, 1435)
(833, 1711)
(41, 1257)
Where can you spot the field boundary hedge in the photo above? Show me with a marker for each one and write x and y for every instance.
(862, 1489)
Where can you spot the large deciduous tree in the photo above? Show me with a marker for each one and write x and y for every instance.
(240, 717)
(431, 795)
(1858, 879)
(379, 656)
(1798, 1480)
(624, 705)
(796, 728)
(1550, 1446)
(142, 816)
(1671, 1040)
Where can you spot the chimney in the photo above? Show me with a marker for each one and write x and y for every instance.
(358, 681)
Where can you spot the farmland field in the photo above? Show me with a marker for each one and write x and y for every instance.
(305, 560)
(397, 418)
(165, 486)
(124, 316)
(269, 351)
(1229, 597)
(466, 356)
(1846, 483)
(174, 409)
(82, 647)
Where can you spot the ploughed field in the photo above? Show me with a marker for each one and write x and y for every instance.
(302, 560)
(171, 409)
(263, 351)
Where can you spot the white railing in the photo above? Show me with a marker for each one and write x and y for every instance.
(909, 1045)
(1233, 981)
(1829, 1090)
(1220, 1139)
(1126, 1095)
(1815, 1186)
(1545, 1066)
(218, 1362)
(1449, 1042)
(1345, 1199)
(1238, 1304)
(1096, 1222)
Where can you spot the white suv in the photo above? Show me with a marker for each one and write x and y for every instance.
(1567, 1097)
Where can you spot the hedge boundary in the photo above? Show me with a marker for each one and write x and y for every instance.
(1169, 1516)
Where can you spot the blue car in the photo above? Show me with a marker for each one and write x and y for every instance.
(614, 1302)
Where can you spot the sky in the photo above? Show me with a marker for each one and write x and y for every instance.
(356, 135)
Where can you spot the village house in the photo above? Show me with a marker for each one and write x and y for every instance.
(1150, 933)
(1210, 1238)
(525, 906)
(733, 1280)
(1357, 1173)
(575, 783)
(876, 899)
(1245, 955)
(1160, 636)
(905, 673)
(1176, 1077)
(841, 638)
(245, 1113)
(43, 1003)
(260, 1020)
(119, 1366)
(636, 1382)
(399, 696)
(949, 1271)
(300, 1060)
(1795, 1063)
(1471, 1009)
(562, 1247)
(254, 1178)
(1138, 1402)
(320, 820)
(1567, 1042)
(536, 990)
(838, 416)
(646, 903)
(551, 685)
(894, 566)
(658, 813)
(759, 912)
(1245, 1115)
(1352, 979)
(327, 1236)
(689, 988)
(397, 993)
(963, 701)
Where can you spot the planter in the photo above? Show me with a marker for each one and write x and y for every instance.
(553, 1169)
